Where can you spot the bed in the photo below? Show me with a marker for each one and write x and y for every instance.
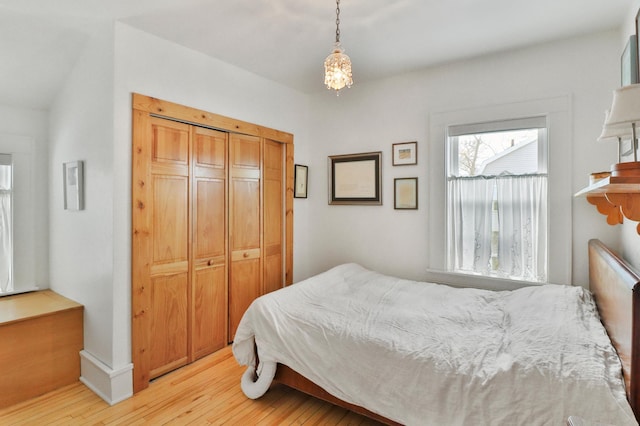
(406, 352)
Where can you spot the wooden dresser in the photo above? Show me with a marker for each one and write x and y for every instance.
(41, 335)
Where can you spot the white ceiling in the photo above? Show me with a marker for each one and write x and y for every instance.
(287, 40)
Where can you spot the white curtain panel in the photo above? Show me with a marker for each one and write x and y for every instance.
(498, 226)
(6, 252)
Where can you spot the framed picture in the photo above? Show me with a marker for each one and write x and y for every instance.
(73, 178)
(405, 153)
(405, 193)
(629, 62)
(355, 179)
(301, 179)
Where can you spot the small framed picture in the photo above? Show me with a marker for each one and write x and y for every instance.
(301, 179)
(405, 192)
(629, 62)
(405, 153)
(73, 178)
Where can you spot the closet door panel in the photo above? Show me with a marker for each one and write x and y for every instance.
(210, 148)
(244, 288)
(245, 225)
(273, 215)
(209, 221)
(170, 211)
(209, 331)
(168, 325)
(209, 260)
(169, 241)
(245, 220)
(273, 271)
(170, 143)
(245, 152)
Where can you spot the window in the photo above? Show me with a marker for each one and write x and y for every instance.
(496, 199)
(6, 224)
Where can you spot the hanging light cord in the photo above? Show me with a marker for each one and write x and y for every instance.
(337, 21)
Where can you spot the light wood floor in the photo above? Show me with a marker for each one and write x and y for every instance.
(205, 392)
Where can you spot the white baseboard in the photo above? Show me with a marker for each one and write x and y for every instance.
(111, 385)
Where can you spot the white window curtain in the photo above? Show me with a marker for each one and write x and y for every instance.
(497, 226)
(6, 255)
(6, 228)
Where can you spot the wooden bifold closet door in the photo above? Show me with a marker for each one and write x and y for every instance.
(201, 249)
(209, 266)
(245, 231)
(186, 239)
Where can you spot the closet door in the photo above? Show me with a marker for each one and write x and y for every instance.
(209, 260)
(273, 215)
(200, 251)
(169, 234)
(245, 225)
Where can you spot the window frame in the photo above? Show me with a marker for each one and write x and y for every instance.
(454, 133)
(557, 111)
(25, 248)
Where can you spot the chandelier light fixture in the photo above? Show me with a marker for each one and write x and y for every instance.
(337, 66)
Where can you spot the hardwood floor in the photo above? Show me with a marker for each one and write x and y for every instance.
(205, 392)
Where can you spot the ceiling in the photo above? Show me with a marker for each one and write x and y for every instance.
(287, 40)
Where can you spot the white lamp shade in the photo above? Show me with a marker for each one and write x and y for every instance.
(625, 108)
(613, 132)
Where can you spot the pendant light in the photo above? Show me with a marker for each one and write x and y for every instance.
(337, 66)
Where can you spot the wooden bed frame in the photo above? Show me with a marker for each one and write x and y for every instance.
(615, 288)
(614, 285)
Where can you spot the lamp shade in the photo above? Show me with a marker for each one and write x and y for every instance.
(613, 132)
(625, 108)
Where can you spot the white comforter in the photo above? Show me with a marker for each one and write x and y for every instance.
(430, 354)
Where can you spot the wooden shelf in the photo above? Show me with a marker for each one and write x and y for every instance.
(612, 184)
(615, 197)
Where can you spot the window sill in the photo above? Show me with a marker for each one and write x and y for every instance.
(458, 279)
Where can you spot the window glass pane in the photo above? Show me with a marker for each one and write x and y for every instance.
(6, 225)
(5, 177)
(489, 154)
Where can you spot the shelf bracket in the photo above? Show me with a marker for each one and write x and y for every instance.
(615, 206)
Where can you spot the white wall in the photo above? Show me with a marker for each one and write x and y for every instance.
(90, 250)
(81, 250)
(370, 117)
(30, 127)
(628, 233)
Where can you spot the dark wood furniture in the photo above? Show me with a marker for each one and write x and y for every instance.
(614, 285)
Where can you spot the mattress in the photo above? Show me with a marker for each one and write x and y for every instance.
(425, 353)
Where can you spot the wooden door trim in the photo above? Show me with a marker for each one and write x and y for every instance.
(195, 116)
(288, 217)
